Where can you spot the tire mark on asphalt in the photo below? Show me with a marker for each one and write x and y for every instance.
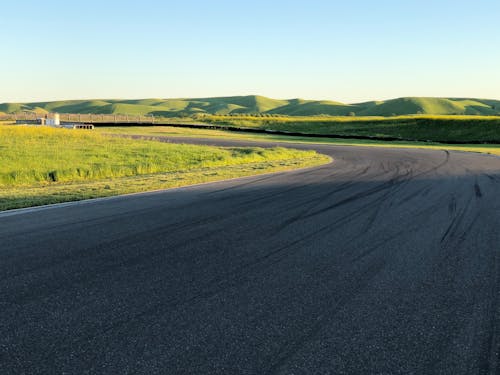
(396, 179)
(477, 190)
(217, 285)
(455, 222)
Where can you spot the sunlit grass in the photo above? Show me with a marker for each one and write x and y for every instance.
(437, 128)
(168, 131)
(44, 155)
(44, 165)
(254, 119)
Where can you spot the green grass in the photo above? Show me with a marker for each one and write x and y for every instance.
(437, 128)
(41, 165)
(167, 131)
(255, 104)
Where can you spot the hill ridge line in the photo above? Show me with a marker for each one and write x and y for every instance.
(257, 104)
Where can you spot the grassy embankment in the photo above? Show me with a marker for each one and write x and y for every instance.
(446, 129)
(167, 131)
(40, 165)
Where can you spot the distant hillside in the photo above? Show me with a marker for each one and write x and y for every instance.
(261, 105)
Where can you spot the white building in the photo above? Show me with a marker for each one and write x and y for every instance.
(52, 119)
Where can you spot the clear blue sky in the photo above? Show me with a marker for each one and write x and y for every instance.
(317, 49)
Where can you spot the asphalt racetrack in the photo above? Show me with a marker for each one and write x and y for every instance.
(386, 261)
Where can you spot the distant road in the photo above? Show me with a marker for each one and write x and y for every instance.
(385, 262)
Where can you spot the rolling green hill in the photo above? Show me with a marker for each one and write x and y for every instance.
(254, 104)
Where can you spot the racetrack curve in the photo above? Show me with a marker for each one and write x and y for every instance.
(386, 261)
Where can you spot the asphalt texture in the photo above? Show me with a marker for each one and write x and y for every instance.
(386, 261)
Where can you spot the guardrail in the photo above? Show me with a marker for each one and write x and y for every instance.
(83, 118)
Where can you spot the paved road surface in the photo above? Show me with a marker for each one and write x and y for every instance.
(385, 262)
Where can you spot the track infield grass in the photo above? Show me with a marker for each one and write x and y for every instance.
(169, 131)
(42, 165)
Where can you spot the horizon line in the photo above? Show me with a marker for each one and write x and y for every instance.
(248, 95)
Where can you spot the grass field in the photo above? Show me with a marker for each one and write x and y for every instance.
(169, 131)
(446, 129)
(41, 165)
